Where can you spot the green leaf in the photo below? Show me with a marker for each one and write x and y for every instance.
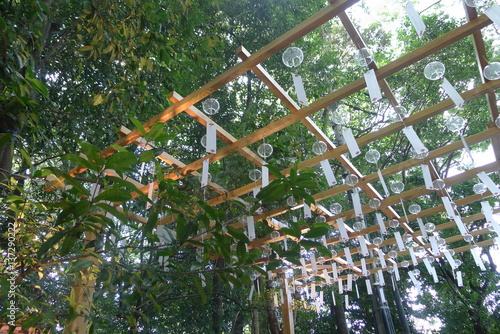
(5, 138)
(74, 211)
(79, 161)
(33, 320)
(238, 234)
(85, 48)
(275, 171)
(121, 160)
(197, 283)
(68, 244)
(91, 151)
(317, 231)
(113, 195)
(80, 265)
(138, 125)
(76, 185)
(112, 210)
(308, 244)
(49, 243)
(155, 131)
(146, 156)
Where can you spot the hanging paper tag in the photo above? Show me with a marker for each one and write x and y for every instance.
(467, 149)
(369, 287)
(415, 18)
(342, 229)
(434, 275)
(489, 183)
(381, 278)
(460, 225)
(299, 89)
(285, 244)
(333, 298)
(314, 265)
(349, 282)
(251, 228)
(357, 290)
(381, 223)
(382, 296)
(422, 227)
(427, 177)
(321, 301)
(203, 283)
(452, 93)
(265, 176)
(460, 282)
(399, 240)
(434, 245)
(327, 170)
(428, 265)
(304, 270)
(211, 146)
(275, 300)
(346, 301)
(341, 286)
(476, 253)
(414, 140)
(150, 195)
(448, 206)
(413, 257)
(493, 14)
(348, 257)
(335, 272)
(372, 85)
(316, 303)
(396, 272)
(450, 259)
(356, 202)
(252, 289)
(351, 143)
(204, 173)
(415, 281)
(382, 181)
(282, 297)
(381, 257)
(486, 209)
(307, 211)
(313, 290)
(327, 277)
(362, 244)
(323, 241)
(255, 192)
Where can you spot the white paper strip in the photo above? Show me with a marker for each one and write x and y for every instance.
(314, 265)
(488, 214)
(349, 282)
(369, 287)
(399, 241)
(476, 253)
(356, 203)
(204, 173)
(252, 289)
(460, 281)
(203, 282)
(434, 275)
(299, 89)
(333, 298)
(313, 290)
(346, 301)
(382, 296)
(304, 269)
(357, 290)
(323, 241)
(362, 244)
(450, 259)
(448, 206)
(150, 196)
(211, 146)
(327, 277)
(382, 181)
(341, 286)
(317, 305)
(282, 298)
(422, 227)
(327, 170)
(381, 256)
(348, 257)
(494, 14)
(460, 225)
(251, 227)
(489, 183)
(275, 300)
(415, 281)
(307, 211)
(452, 93)
(427, 177)
(434, 245)
(372, 85)
(413, 257)
(467, 149)
(342, 229)
(381, 278)
(415, 18)
(265, 176)
(335, 272)
(396, 272)
(414, 140)
(321, 300)
(381, 223)
(352, 145)
(255, 192)
(428, 265)
(363, 266)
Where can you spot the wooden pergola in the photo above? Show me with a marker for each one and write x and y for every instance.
(252, 62)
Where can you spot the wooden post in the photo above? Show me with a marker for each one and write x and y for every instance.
(287, 312)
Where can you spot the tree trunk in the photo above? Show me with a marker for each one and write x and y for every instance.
(7, 125)
(272, 317)
(477, 323)
(405, 329)
(255, 321)
(239, 323)
(217, 304)
(379, 319)
(340, 319)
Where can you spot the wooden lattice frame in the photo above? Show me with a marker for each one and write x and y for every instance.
(298, 114)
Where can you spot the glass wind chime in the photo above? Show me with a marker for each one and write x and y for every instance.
(210, 107)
